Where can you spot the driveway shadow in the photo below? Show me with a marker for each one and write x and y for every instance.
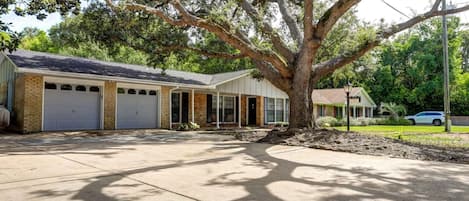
(435, 181)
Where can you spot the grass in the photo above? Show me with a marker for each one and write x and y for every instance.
(405, 129)
(428, 135)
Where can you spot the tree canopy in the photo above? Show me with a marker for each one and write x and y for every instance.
(286, 55)
(9, 40)
(294, 44)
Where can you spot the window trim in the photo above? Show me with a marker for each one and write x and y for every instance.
(222, 107)
(286, 107)
(97, 87)
(180, 107)
(68, 85)
(81, 86)
(50, 84)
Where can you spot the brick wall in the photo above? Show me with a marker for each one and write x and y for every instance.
(110, 93)
(165, 107)
(243, 110)
(260, 111)
(28, 103)
(200, 108)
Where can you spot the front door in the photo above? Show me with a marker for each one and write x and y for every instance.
(252, 111)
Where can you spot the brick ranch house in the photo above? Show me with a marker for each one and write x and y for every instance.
(47, 92)
(332, 102)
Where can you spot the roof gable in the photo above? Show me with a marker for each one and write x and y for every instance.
(337, 96)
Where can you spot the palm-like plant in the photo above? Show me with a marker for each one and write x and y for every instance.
(393, 109)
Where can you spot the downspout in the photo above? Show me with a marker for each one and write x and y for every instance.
(170, 108)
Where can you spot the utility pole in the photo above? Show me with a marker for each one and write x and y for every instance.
(446, 71)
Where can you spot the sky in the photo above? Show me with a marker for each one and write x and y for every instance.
(369, 10)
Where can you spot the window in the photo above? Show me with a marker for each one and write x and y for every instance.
(120, 91)
(175, 107)
(279, 109)
(50, 86)
(152, 93)
(80, 88)
(287, 110)
(66, 87)
(142, 92)
(270, 110)
(131, 91)
(321, 110)
(276, 110)
(227, 109)
(94, 89)
(338, 112)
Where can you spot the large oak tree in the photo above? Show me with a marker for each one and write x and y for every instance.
(288, 59)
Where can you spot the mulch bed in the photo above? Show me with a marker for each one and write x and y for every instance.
(356, 143)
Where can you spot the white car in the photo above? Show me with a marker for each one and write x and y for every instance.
(427, 117)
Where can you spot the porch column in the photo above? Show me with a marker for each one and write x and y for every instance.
(371, 112)
(170, 110)
(218, 109)
(343, 112)
(192, 97)
(364, 111)
(239, 110)
(354, 112)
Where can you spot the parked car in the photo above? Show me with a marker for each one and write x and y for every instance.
(427, 117)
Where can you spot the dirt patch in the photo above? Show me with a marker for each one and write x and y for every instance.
(356, 143)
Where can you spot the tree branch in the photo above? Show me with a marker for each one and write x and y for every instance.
(308, 22)
(331, 16)
(270, 73)
(147, 9)
(277, 42)
(226, 34)
(330, 66)
(290, 21)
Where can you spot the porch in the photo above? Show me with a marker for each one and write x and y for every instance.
(339, 111)
(209, 108)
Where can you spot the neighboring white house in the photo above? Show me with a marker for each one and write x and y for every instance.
(332, 102)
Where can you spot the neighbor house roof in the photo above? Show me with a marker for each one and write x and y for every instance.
(336, 96)
(30, 61)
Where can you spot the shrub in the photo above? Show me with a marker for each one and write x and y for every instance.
(391, 121)
(327, 122)
(188, 126)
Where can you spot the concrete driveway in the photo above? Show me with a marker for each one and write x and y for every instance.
(143, 165)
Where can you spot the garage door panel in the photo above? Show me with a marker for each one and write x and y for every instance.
(71, 110)
(137, 111)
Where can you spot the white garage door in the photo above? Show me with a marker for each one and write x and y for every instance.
(137, 108)
(71, 107)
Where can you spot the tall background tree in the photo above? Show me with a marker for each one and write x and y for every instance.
(9, 40)
(288, 59)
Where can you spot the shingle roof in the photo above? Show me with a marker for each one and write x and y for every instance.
(332, 96)
(52, 62)
(220, 77)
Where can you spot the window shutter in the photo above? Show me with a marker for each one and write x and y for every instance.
(237, 109)
(209, 108)
(265, 110)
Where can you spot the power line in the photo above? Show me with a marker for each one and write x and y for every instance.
(395, 9)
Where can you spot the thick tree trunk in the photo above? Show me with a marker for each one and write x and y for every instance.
(301, 105)
(301, 108)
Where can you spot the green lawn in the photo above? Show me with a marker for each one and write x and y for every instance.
(405, 129)
(429, 135)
